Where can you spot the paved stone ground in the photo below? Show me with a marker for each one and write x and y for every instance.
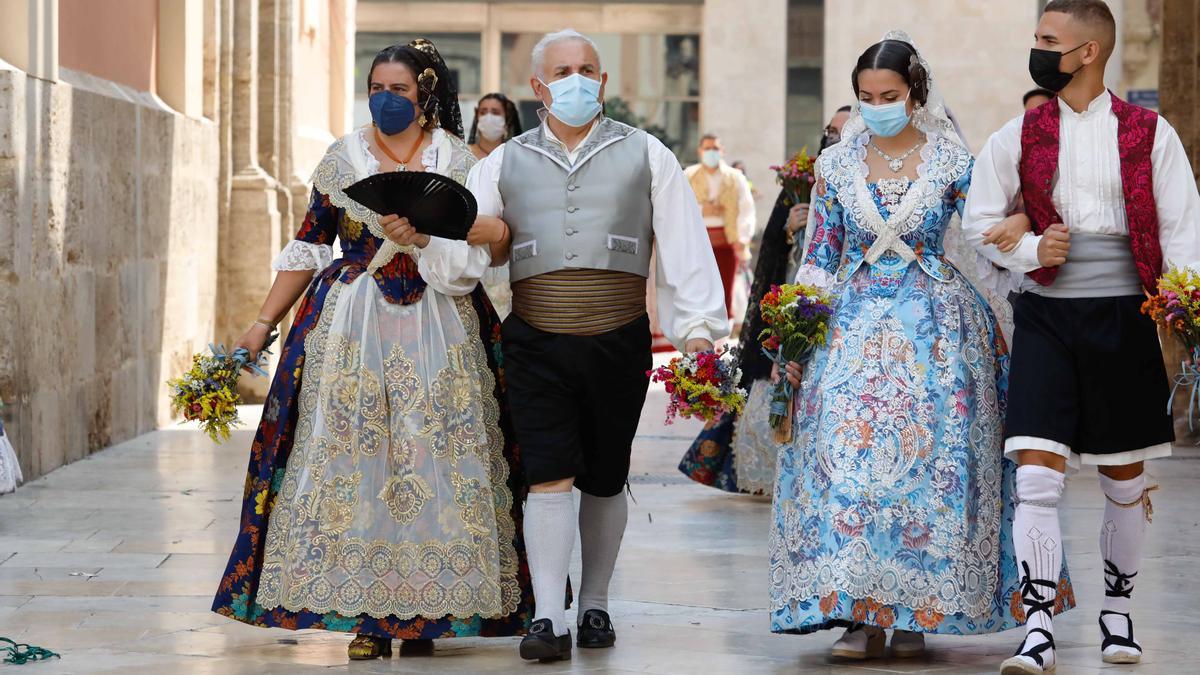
(113, 560)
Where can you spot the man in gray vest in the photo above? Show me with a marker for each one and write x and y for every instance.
(586, 198)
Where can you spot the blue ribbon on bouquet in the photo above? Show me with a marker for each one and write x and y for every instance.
(1189, 376)
(781, 393)
(241, 355)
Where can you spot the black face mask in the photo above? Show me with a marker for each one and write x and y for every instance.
(1045, 69)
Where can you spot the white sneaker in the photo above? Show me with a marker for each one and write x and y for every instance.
(859, 643)
(907, 644)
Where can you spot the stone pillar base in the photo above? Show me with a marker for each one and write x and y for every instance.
(249, 242)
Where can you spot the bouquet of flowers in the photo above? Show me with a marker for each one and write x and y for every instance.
(703, 385)
(797, 177)
(1176, 307)
(797, 318)
(208, 392)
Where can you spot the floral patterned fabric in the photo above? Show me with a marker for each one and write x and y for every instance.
(893, 505)
(285, 428)
(1136, 128)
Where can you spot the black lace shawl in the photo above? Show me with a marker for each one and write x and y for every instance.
(774, 252)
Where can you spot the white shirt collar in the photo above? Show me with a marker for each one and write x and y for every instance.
(571, 154)
(1100, 104)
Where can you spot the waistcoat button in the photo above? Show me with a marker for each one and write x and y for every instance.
(572, 188)
(573, 209)
(571, 231)
(571, 256)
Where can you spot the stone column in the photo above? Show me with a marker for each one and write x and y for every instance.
(749, 113)
(29, 36)
(180, 70)
(1179, 101)
(250, 231)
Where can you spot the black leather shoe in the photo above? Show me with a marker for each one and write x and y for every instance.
(596, 630)
(416, 648)
(542, 645)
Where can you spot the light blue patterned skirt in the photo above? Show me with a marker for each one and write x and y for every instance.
(893, 504)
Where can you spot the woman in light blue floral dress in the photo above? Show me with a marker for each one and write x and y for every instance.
(893, 505)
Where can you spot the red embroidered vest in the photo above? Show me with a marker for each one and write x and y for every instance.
(1135, 139)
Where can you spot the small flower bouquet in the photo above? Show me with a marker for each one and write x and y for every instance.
(703, 385)
(797, 318)
(1176, 307)
(797, 177)
(208, 392)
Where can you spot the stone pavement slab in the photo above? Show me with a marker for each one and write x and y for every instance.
(112, 561)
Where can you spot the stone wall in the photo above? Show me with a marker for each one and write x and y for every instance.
(978, 49)
(107, 258)
(1179, 101)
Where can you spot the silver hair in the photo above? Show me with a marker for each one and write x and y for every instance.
(539, 50)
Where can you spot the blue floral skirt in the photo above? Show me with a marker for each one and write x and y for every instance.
(893, 504)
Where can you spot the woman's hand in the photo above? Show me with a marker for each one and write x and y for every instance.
(1006, 234)
(401, 232)
(487, 230)
(795, 373)
(797, 218)
(252, 341)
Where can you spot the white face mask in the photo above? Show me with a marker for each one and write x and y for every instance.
(491, 126)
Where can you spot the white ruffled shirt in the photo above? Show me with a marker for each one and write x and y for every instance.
(451, 267)
(1087, 188)
(691, 299)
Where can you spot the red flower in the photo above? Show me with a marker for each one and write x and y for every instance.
(829, 603)
(928, 618)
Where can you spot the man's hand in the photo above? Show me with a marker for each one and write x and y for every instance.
(1054, 246)
(400, 231)
(697, 345)
(486, 230)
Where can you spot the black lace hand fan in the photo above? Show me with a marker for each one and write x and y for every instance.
(435, 204)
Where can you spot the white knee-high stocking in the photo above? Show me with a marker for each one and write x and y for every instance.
(1038, 541)
(549, 538)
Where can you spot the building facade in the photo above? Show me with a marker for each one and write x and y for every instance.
(154, 154)
(153, 159)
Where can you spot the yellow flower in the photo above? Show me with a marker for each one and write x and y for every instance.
(260, 500)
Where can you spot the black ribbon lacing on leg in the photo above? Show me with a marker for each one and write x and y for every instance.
(1035, 602)
(1121, 585)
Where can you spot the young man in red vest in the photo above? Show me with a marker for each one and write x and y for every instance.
(1113, 202)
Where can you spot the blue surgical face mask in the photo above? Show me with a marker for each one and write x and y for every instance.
(576, 99)
(392, 113)
(885, 120)
(711, 158)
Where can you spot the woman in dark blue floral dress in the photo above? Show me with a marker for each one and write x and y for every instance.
(383, 494)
